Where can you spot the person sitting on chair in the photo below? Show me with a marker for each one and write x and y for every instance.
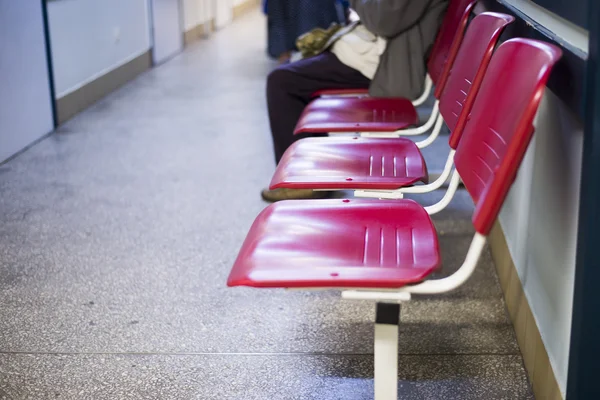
(384, 49)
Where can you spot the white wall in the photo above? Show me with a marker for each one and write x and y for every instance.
(540, 216)
(25, 101)
(223, 13)
(92, 37)
(167, 29)
(569, 33)
(196, 12)
(539, 220)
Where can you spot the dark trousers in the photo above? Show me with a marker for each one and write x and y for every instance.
(289, 89)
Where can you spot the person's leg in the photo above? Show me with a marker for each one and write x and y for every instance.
(282, 20)
(289, 90)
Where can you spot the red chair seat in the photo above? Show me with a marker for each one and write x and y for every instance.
(350, 163)
(357, 114)
(338, 243)
(341, 92)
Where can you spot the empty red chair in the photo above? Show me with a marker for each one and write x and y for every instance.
(380, 167)
(453, 24)
(385, 250)
(393, 116)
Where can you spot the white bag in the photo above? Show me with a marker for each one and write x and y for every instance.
(360, 49)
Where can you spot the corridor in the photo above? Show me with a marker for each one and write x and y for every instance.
(118, 231)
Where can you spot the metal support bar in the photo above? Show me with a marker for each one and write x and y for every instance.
(450, 192)
(379, 194)
(438, 182)
(387, 296)
(457, 279)
(387, 318)
(435, 114)
(433, 135)
(426, 92)
(430, 187)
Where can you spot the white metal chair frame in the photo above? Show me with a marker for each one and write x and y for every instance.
(396, 194)
(388, 303)
(435, 120)
(399, 193)
(386, 327)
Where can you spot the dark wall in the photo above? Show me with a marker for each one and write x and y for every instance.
(572, 10)
(567, 78)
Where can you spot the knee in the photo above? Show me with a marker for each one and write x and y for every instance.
(279, 79)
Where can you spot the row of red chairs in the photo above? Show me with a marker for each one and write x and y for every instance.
(384, 250)
(382, 167)
(397, 114)
(377, 167)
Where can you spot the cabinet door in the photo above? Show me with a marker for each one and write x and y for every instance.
(25, 99)
(224, 12)
(167, 32)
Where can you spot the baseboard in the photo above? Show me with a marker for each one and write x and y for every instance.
(75, 102)
(535, 356)
(197, 32)
(244, 8)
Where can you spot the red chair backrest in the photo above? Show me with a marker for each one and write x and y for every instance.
(500, 127)
(468, 70)
(448, 41)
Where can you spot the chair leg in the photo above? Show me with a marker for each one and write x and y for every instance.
(433, 135)
(448, 196)
(386, 351)
(426, 92)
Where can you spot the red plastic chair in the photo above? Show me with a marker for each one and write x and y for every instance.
(385, 250)
(390, 117)
(381, 167)
(453, 24)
